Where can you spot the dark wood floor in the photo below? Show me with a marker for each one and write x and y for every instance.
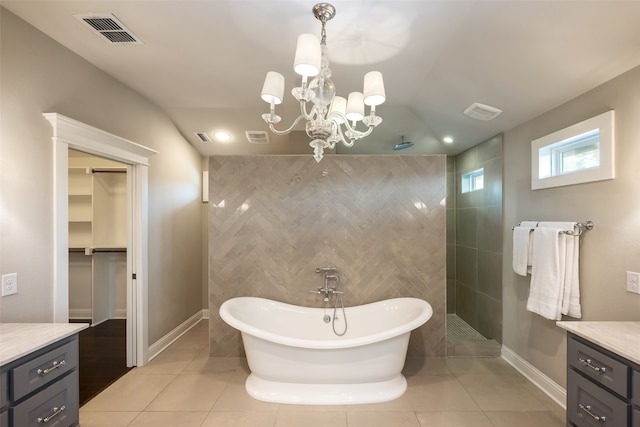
(103, 357)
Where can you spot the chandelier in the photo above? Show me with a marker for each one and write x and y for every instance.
(326, 114)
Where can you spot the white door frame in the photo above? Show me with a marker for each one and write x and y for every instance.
(69, 133)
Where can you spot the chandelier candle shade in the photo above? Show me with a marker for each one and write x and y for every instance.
(326, 114)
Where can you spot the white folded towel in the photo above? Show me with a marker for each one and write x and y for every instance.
(548, 273)
(530, 225)
(571, 300)
(521, 249)
(563, 225)
(571, 289)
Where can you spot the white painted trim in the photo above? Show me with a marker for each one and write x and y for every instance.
(79, 313)
(539, 379)
(605, 123)
(60, 232)
(159, 346)
(96, 141)
(86, 313)
(69, 133)
(205, 314)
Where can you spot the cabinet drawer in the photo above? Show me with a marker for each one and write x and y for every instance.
(589, 405)
(55, 406)
(43, 369)
(599, 367)
(4, 419)
(636, 418)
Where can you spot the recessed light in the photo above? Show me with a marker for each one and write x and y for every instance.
(222, 136)
(447, 140)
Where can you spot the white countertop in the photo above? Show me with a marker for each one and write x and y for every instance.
(622, 338)
(20, 339)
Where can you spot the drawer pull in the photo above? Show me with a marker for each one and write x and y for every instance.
(587, 409)
(56, 412)
(55, 365)
(588, 364)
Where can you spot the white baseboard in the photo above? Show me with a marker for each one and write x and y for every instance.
(159, 346)
(540, 380)
(80, 313)
(86, 313)
(205, 313)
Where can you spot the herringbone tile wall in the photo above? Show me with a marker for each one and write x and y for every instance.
(379, 219)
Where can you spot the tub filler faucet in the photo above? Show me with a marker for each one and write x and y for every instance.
(330, 274)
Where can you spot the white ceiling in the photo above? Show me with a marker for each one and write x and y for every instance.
(204, 61)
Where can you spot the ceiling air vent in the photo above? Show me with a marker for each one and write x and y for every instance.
(482, 112)
(203, 137)
(109, 27)
(257, 136)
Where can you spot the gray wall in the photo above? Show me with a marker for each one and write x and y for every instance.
(379, 219)
(478, 240)
(606, 252)
(39, 75)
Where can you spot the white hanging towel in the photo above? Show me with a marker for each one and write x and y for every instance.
(522, 247)
(571, 293)
(521, 244)
(548, 273)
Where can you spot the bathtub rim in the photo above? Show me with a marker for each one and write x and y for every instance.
(424, 315)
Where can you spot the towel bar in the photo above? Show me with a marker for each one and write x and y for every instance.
(580, 226)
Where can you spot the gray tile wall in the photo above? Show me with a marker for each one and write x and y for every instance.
(379, 219)
(478, 241)
(451, 234)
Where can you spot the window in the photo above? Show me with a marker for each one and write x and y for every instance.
(570, 155)
(473, 181)
(577, 154)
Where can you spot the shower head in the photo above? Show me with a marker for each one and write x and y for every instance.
(403, 145)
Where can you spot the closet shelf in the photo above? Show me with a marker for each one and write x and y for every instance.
(97, 238)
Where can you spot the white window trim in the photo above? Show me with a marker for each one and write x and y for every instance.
(605, 123)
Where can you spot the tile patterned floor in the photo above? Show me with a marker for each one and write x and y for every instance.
(184, 387)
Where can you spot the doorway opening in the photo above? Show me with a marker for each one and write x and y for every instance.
(75, 135)
(474, 251)
(98, 268)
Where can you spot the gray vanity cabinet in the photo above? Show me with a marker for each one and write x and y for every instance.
(41, 388)
(635, 398)
(602, 387)
(4, 400)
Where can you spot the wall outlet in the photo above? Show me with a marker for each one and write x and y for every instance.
(633, 282)
(9, 284)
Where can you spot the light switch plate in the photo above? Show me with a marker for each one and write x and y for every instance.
(9, 284)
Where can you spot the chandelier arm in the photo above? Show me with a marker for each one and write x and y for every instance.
(288, 130)
(303, 111)
(357, 134)
(343, 139)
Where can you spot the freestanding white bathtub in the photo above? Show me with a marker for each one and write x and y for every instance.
(295, 357)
